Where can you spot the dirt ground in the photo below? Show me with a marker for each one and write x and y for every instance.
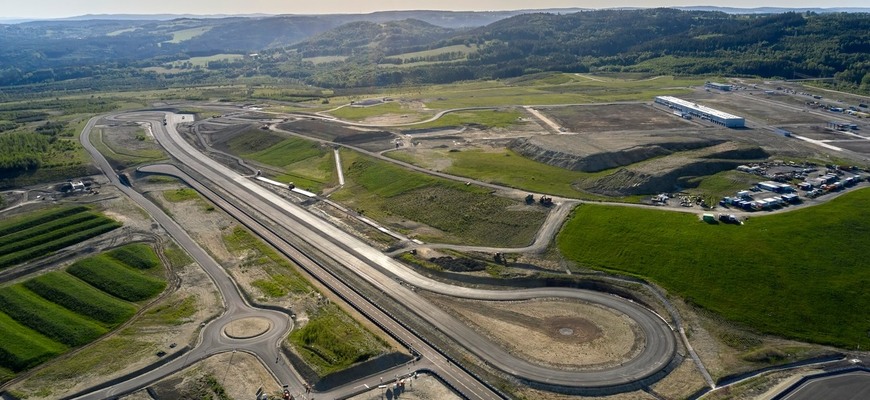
(563, 333)
(614, 117)
(239, 374)
(424, 387)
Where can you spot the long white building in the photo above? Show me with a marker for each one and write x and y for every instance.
(704, 112)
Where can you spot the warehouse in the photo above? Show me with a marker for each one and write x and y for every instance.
(703, 112)
(718, 86)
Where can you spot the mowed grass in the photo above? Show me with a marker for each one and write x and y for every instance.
(332, 341)
(798, 274)
(39, 234)
(466, 214)
(109, 275)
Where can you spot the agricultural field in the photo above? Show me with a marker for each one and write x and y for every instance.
(435, 209)
(795, 274)
(45, 316)
(332, 341)
(41, 233)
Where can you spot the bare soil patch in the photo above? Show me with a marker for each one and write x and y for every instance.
(614, 117)
(239, 374)
(369, 139)
(424, 387)
(247, 328)
(568, 334)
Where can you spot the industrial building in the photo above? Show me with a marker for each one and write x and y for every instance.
(718, 86)
(703, 112)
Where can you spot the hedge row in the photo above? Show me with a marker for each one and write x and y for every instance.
(47, 318)
(136, 255)
(37, 219)
(120, 281)
(77, 296)
(45, 248)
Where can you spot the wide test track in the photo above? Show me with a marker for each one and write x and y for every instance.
(386, 273)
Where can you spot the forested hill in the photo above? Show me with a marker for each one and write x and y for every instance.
(666, 40)
(352, 50)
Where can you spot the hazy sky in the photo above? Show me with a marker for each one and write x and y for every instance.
(65, 8)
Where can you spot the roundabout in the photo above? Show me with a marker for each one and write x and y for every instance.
(247, 328)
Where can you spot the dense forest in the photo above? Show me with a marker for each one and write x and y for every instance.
(88, 55)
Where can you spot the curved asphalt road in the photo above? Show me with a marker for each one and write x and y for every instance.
(212, 340)
(382, 271)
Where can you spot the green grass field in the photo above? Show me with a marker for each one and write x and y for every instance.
(485, 118)
(723, 184)
(187, 34)
(306, 163)
(283, 279)
(508, 168)
(287, 152)
(119, 280)
(465, 214)
(389, 108)
(332, 341)
(41, 233)
(180, 195)
(796, 274)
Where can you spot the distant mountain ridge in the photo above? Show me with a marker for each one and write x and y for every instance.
(418, 47)
(446, 15)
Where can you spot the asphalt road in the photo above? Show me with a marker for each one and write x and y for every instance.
(849, 386)
(212, 340)
(376, 268)
(382, 271)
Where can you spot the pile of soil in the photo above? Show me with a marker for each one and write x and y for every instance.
(591, 154)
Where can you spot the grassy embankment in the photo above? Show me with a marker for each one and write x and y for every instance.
(332, 341)
(45, 316)
(307, 164)
(39, 234)
(452, 211)
(283, 278)
(505, 167)
(129, 147)
(796, 274)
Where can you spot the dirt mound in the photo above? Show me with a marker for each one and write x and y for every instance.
(673, 172)
(593, 154)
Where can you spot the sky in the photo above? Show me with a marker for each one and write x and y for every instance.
(67, 8)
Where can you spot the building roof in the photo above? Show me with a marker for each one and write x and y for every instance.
(695, 106)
